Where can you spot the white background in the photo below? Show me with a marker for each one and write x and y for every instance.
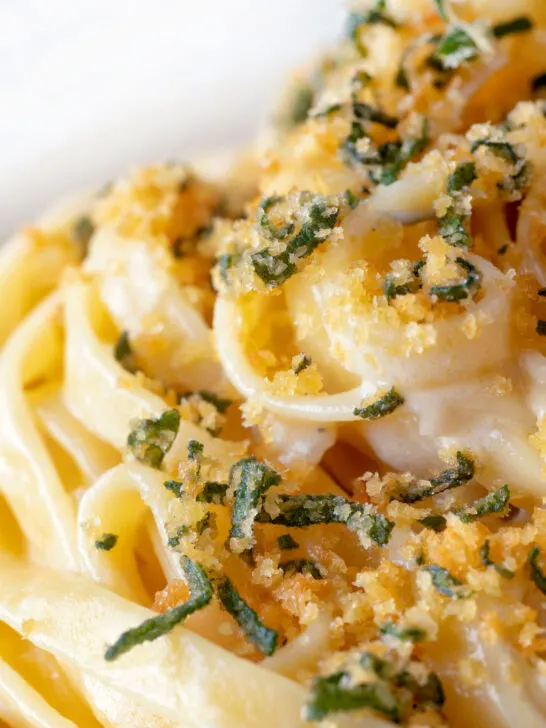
(89, 87)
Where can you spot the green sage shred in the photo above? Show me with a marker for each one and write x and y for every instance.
(200, 595)
(106, 542)
(225, 262)
(175, 487)
(453, 50)
(392, 289)
(250, 479)
(82, 232)
(435, 523)
(300, 511)
(302, 362)
(366, 112)
(213, 492)
(386, 693)
(287, 543)
(123, 352)
(463, 176)
(495, 502)
(195, 449)
(351, 199)
(152, 439)
(450, 478)
(276, 268)
(440, 7)
(301, 105)
(502, 570)
(520, 24)
(467, 288)
(301, 566)
(262, 637)
(445, 582)
(537, 575)
(384, 406)
(336, 694)
(404, 634)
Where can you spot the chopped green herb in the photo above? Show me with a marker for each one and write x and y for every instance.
(213, 492)
(385, 405)
(386, 693)
(451, 227)
(175, 487)
(374, 16)
(414, 284)
(106, 542)
(200, 595)
(351, 199)
(539, 81)
(450, 478)
(82, 232)
(287, 543)
(351, 149)
(517, 25)
(495, 502)
(435, 523)
(501, 149)
(401, 79)
(300, 363)
(502, 570)
(262, 637)
(174, 541)
(468, 287)
(276, 268)
(440, 7)
(454, 49)
(123, 353)
(301, 105)
(327, 111)
(404, 634)
(300, 511)
(268, 228)
(429, 693)
(198, 528)
(462, 177)
(541, 327)
(250, 479)
(301, 566)
(360, 80)
(152, 439)
(537, 575)
(225, 262)
(515, 182)
(394, 156)
(337, 694)
(220, 403)
(445, 582)
(366, 112)
(195, 449)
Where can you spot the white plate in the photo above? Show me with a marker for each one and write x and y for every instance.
(89, 87)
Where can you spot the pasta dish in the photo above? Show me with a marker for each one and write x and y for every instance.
(273, 441)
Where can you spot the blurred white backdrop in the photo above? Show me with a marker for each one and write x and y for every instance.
(90, 87)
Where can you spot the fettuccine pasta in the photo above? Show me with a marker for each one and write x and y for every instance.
(273, 443)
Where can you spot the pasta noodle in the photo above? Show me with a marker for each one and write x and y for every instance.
(273, 442)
